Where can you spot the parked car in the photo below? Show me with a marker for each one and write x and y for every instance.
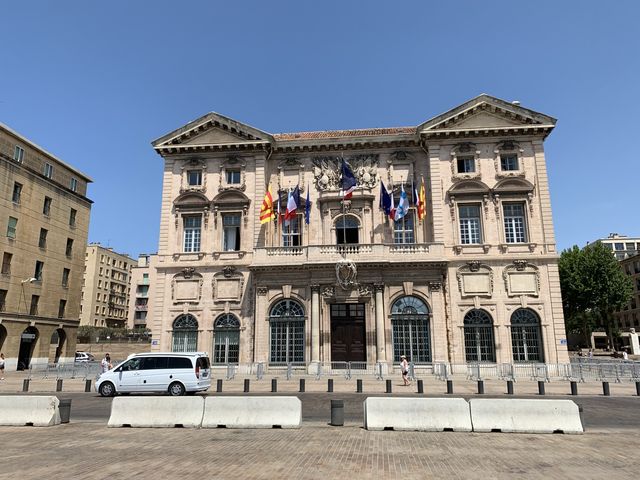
(82, 357)
(174, 373)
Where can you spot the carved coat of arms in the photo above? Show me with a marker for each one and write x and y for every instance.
(346, 273)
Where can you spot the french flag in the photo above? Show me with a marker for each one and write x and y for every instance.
(349, 183)
(292, 204)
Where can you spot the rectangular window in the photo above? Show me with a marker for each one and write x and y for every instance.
(3, 299)
(73, 184)
(194, 177)
(619, 246)
(192, 233)
(470, 228)
(18, 154)
(46, 208)
(231, 232)
(509, 162)
(6, 263)
(61, 308)
(65, 277)
(69, 249)
(42, 241)
(514, 224)
(12, 226)
(403, 229)
(37, 274)
(48, 170)
(233, 177)
(466, 165)
(291, 232)
(72, 217)
(33, 310)
(17, 191)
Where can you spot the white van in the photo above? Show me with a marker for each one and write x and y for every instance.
(175, 373)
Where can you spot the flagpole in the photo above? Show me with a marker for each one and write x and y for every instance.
(344, 210)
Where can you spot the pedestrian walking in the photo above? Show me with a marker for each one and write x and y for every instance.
(106, 363)
(404, 368)
(2, 366)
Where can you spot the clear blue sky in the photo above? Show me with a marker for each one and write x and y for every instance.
(96, 82)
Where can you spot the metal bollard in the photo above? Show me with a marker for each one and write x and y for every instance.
(330, 385)
(540, 387)
(480, 387)
(246, 385)
(359, 385)
(388, 386)
(509, 387)
(87, 385)
(605, 389)
(337, 413)
(219, 386)
(449, 387)
(25, 385)
(420, 386)
(638, 389)
(574, 388)
(274, 385)
(302, 385)
(59, 385)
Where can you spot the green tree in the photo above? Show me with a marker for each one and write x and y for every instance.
(593, 287)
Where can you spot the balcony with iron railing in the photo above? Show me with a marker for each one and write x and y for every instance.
(319, 254)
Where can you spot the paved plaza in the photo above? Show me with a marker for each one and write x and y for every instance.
(86, 448)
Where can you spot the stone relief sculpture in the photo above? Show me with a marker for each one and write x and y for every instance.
(346, 272)
(326, 171)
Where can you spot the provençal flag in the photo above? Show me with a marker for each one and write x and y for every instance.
(422, 202)
(266, 212)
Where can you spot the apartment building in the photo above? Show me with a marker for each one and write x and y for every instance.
(444, 250)
(106, 287)
(142, 276)
(44, 217)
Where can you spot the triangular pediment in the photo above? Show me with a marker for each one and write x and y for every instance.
(213, 129)
(487, 113)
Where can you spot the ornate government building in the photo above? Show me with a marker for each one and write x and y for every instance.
(475, 280)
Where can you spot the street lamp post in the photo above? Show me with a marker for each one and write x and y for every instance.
(24, 298)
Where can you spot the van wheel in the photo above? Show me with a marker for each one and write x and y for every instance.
(107, 389)
(176, 389)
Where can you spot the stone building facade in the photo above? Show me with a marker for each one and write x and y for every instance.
(106, 287)
(44, 216)
(475, 280)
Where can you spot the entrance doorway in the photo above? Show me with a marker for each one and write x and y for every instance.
(28, 341)
(348, 338)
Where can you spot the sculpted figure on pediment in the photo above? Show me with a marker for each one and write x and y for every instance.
(327, 171)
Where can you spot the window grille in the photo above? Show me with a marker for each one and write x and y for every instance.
(410, 330)
(479, 345)
(526, 336)
(287, 324)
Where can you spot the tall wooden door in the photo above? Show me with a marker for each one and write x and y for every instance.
(348, 336)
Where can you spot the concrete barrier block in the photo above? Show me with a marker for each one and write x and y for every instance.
(525, 416)
(39, 411)
(252, 412)
(164, 412)
(424, 414)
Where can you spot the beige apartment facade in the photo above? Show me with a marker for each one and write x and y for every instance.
(475, 280)
(142, 279)
(106, 287)
(44, 217)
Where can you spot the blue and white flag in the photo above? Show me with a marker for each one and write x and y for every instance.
(403, 205)
(307, 208)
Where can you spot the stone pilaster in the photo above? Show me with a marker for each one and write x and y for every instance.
(315, 323)
(261, 340)
(381, 353)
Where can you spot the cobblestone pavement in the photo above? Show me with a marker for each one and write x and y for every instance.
(316, 451)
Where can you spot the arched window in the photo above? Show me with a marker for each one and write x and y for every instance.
(478, 337)
(410, 327)
(347, 229)
(226, 339)
(286, 328)
(185, 334)
(526, 336)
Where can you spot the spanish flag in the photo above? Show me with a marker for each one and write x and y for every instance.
(422, 202)
(266, 212)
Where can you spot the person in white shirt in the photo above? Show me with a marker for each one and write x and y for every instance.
(1, 366)
(106, 363)
(404, 368)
